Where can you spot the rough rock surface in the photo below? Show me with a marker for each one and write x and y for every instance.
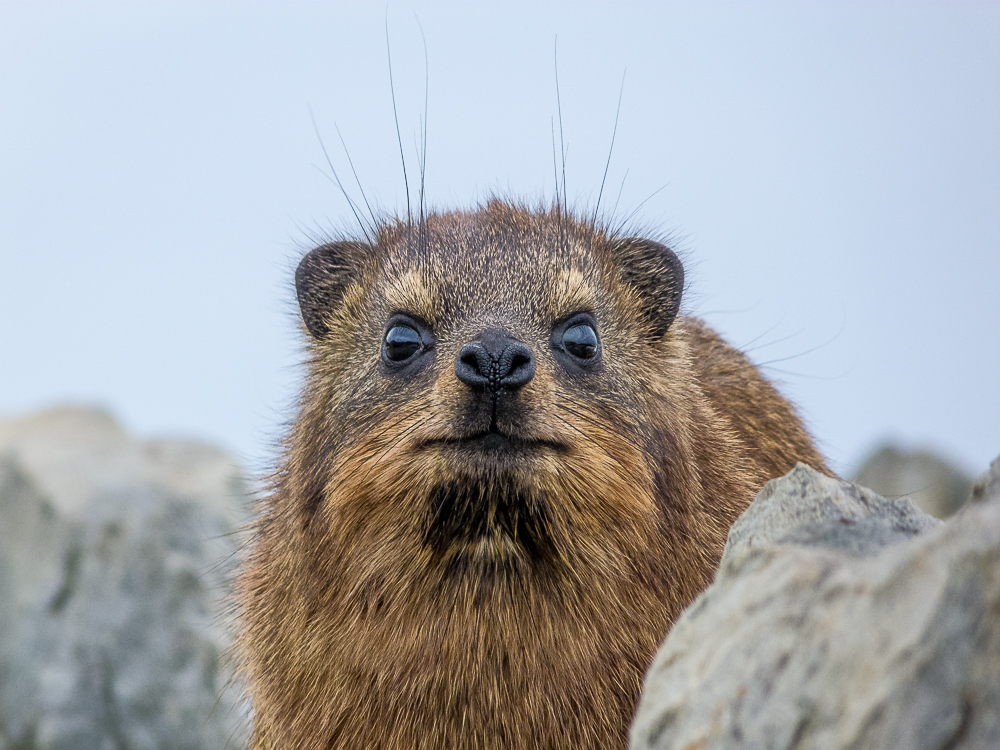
(934, 484)
(114, 558)
(838, 619)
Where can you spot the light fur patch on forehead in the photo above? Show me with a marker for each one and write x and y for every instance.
(409, 292)
(571, 293)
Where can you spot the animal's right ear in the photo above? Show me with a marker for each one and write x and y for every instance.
(655, 272)
(320, 281)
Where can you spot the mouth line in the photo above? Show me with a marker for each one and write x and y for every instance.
(494, 441)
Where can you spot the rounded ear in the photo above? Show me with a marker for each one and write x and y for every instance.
(320, 281)
(656, 273)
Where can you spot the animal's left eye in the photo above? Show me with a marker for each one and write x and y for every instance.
(580, 341)
(401, 343)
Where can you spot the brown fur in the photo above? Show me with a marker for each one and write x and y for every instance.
(361, 629)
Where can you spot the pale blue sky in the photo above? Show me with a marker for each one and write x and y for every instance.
(831, 172)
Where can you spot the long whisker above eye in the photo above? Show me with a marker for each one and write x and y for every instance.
(562, 142)
(618, 111)
(423, 130)
(357, 179)
(368, 231)
(395, 115)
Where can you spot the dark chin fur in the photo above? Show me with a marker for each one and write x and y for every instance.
(490, 526)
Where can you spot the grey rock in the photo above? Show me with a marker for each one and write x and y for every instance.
(807, 508)
(935, 484)
(115, 556)
(837, 619)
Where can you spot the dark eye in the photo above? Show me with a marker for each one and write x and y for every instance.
(580, 341)
(401, 343)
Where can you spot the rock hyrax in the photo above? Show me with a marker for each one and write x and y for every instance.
(514, 463)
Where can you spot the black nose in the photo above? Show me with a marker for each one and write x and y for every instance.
(495, 361)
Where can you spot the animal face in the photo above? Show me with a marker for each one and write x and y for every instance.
(491, 369)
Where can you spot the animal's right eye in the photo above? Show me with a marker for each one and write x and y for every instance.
(401, 343)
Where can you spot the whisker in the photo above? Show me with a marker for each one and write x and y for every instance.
(747, 350)
(406, 415)
(584, 412)
(628, 470)
(346, 478)
(423, 124)
(807, 351)
(744, 347)
(395, 115)
(636, 210)
(618, 111)
(807, 376)
(614, 211)
(555, 162)
(336, 177)
(562, 142)
(351, 162)
(419, 423)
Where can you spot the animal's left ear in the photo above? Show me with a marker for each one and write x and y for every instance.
(656, 273)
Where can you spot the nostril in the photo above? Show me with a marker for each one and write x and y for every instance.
(468, 358)
(519, 359)
(521, 365)
(472, 366)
